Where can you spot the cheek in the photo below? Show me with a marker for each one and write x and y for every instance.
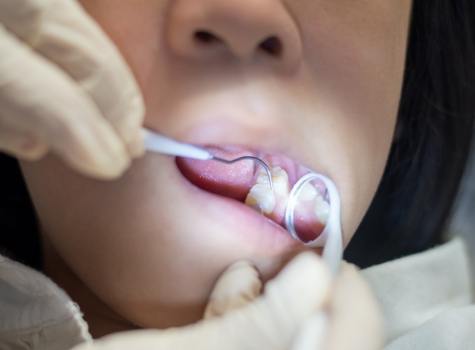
(121, 242)
(355, 56)
(135, 28)
(352, 148)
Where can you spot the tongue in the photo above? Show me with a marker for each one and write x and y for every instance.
(228, 180)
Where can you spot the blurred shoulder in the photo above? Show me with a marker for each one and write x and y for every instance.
(35, 311)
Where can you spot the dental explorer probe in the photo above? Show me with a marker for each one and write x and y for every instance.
(159, 143)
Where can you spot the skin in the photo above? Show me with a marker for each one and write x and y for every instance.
(138, 252)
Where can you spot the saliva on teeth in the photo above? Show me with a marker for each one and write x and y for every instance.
(311, 202)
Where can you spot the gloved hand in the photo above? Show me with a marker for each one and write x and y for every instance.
(64, 87)
(301, 309)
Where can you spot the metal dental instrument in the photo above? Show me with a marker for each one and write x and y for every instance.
(255, 159)
(161, 144)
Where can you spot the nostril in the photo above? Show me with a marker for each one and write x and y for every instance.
(272, 46)
(205, 37)
(239, 32)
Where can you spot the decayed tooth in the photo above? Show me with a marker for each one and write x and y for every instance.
(322, 209)
(261, 198)
(308, 192)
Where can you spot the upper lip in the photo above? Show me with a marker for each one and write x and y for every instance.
(217, 132)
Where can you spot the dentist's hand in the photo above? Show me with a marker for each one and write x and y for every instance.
(353, 318)
(65, 88)
(301, 309)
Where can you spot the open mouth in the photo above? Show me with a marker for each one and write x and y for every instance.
(247, 182)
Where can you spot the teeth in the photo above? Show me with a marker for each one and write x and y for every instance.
(262, 178)
(261, 196)
(322, 209)
(280, 181)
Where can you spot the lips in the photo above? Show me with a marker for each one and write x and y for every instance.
(246, 182)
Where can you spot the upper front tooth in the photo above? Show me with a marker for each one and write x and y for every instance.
(261, 196)
(262, 177)
(280, 181)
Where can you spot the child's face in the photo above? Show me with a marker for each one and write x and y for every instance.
(152, 243)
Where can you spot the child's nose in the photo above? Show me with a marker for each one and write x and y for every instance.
(246, 30)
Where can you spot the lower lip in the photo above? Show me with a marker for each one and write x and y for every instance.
(255, 229)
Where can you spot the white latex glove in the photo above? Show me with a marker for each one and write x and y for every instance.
(353, 320)
(64, 87)
(301, 309)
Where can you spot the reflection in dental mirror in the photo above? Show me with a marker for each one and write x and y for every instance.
(308, 202)
(309, 209)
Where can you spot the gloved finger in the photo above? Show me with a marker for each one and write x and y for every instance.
(270, 322)
(66, 35)
(312, 334)
(22, 146)
(48, 106)
(288, 300)
(354, 312)
(235, 288)
(22, 17)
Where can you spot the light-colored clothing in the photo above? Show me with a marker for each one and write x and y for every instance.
(425, 298)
